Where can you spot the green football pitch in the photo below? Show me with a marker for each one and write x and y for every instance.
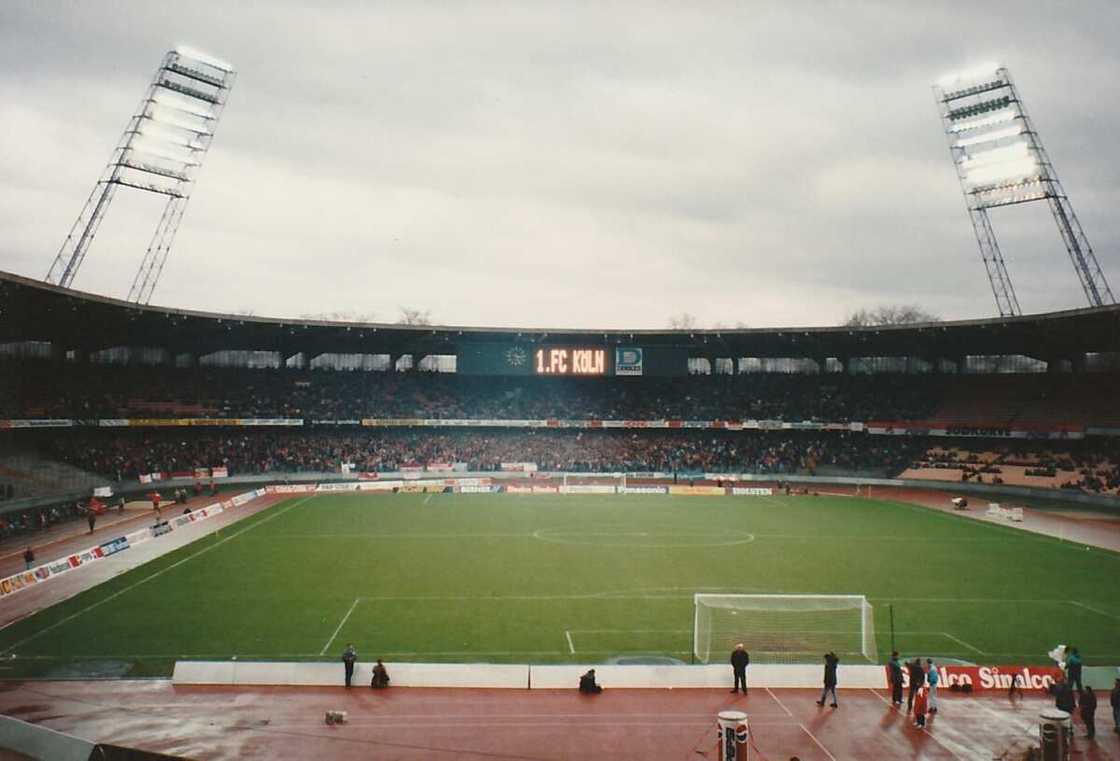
(563, 579)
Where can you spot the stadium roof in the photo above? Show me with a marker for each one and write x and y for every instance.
(34, 311)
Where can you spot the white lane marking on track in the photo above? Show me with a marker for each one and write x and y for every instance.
(952, 748)
(340, 625)
(157, 574)
(1027, 729)
(571, 647)
(813, 737)
(780, 703)
(960, 641)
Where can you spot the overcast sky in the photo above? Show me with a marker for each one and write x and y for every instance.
(565, 164)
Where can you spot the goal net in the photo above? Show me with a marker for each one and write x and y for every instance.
(783, 628)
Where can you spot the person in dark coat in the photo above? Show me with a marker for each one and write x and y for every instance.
(1089, 711)
(587, 684)
(380, 678)
(1114, 701)
(894, 672)
(1073, 669)
(917, 681)
(349, 658)
(740, 659)
(91, 518)
(29, 557)
(830, 664)
(1063, 695)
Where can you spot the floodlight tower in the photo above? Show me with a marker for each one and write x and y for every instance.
(160, 152)
(1000, 161)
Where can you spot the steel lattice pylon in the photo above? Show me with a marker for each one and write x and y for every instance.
(1000, 161)
(160, 152)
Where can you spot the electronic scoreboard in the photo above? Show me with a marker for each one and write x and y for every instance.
(570, 361)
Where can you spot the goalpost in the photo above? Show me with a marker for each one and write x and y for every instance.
(783, 628)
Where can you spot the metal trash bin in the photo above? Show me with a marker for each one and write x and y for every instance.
(1055, 734)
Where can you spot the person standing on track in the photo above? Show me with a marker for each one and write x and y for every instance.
(91, 518)
(29, 557)
(1089, 711)
(917, 681)
(932, 677)
(830, 664)
(895, 673)
(920, 702)
(349, 658)
(740, 659)
(1114, 701)
(1073, 669)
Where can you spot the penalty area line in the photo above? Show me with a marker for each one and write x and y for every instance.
(568, 636)
(960, 641)
(341, 624)
(1098, 611)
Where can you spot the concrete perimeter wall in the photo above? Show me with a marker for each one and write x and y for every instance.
(520, 676)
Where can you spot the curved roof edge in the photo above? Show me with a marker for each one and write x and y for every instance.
(34, 310)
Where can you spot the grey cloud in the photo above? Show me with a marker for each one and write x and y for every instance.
(565, 164)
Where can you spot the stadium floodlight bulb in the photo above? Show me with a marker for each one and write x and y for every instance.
(1000, 117)
(171, 118)
(181, 103)
(972, 74)
(197, 55)
(1010, 152)
(160, 150)
(162, 132)
(1006, 170)
(988, 137)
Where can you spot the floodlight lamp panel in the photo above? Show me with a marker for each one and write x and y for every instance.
(194, 54)
(970, 75)
(169, 118)
(1000, 117)
(1008, 170)
(989, 137)
(181, 103)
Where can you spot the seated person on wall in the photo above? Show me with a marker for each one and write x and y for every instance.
(587, 684)
(380, 678)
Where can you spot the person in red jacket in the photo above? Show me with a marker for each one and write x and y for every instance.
(921, 702)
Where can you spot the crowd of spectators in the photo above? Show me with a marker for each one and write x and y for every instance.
(41, 389)
(1095, 460)
(127, 454)
(36, 518)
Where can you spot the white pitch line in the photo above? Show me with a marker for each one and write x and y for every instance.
(341, 624)
(157, 574)
(427, 499)
(1094, 610)
(960, 641)
(571, 647)
(813, 737)
(780, 703)
(633, 631)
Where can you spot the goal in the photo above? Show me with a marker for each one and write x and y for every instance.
(783, 628)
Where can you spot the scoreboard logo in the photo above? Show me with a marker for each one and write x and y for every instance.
(627, 361)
